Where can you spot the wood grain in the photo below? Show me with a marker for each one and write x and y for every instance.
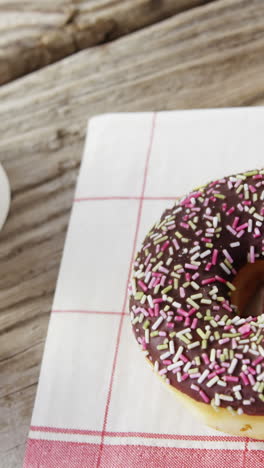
(34, 34)
(210, 56)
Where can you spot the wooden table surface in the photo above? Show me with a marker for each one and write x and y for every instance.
(75, 59)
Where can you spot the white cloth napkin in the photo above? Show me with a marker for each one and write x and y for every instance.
(98, 404)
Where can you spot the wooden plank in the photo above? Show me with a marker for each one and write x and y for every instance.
(210, 56)
(33, 35)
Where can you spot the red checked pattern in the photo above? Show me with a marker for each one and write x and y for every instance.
(58, 447)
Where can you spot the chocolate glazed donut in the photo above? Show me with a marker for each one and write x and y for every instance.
(192, 280)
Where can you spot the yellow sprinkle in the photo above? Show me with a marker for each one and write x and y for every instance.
(230, 286)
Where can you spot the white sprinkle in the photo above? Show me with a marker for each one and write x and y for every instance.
(235, 244)
(165, 355)
(237, 388)
(217, 399)
(178, 353)
(205, 253)
(226, 397)
(193, 345)
(176, 304)
(224, 267)
(212, 381)
(172, 347)
(174, 365)
(203, 376)
(157, 323)
(222, 383)
(232, 366)
(187, 366)
(150, 301)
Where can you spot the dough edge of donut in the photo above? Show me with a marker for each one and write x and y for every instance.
(243, 425)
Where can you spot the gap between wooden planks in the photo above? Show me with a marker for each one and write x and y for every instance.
(34, 34)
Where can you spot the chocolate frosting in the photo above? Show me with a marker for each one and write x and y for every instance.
(182, 280)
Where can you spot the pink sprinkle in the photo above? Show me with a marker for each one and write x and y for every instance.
(195, 387)
(257, 232)
(258, 360)
(227, 307)
(165, 245)
(208, 266)
(151, 312)
(185, 376)
(240, 234)
(224, 340)
(219, 278)
(204, 396)
(147, 259)
(234, 343)
(191, 311)
(246, 361)
(156, 310)
(194, 323)
(195, 276)
(242, 226)
(244, 328)
(209, 280)
(187, 321)
(182, 312)
(188, 276)
(252, 371)
(184, 225)
(228, 256)
(177, 369)
(182, 292)
(230, 229)
(178, 319)
(230, 378)
(162, 333)
(235, 222)
(191, 267)
(244, 378)
(195, 376)
(163, 279)
(175, 243)
(163, 270)
(214, 256)
(252, 254)
(225, 364)
(170, 325)
(251, 379)
(184, 358)
(167, 362)
(205, 358)
(231, 210)
(212, 374)
(252, 188)
(224, 205)
(163, 371)
(142, 285)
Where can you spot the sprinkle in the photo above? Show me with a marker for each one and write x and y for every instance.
(157, 323)
(204, 396)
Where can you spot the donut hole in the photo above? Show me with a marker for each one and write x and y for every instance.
(249, 294)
